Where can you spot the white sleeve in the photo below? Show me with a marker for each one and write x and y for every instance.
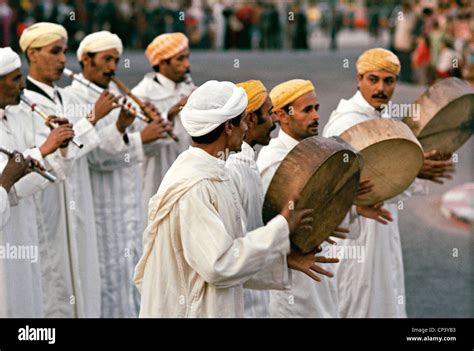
(101, 160)
(108, 138)
(4, 207)
(217, 256)
(29, 184)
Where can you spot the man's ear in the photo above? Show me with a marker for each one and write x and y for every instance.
(85, 59)
(32, 54)
(251, 119)
(228, 126)
(359, 79)
(282, 116)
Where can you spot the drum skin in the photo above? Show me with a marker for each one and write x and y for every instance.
(446, 119)
(323, 173)
(392, 155)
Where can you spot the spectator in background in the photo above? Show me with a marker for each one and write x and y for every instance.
(245, 14)
(6, 18)
(403, 40)
(421, 59)
(449, 63)
(436, 37)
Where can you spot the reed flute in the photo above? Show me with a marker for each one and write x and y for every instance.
(45, 116)
(140, 103)
(42, 173)
(95, 88)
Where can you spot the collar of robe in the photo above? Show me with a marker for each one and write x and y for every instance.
(33, 87)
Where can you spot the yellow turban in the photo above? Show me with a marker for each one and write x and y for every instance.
(41, 34)
(256, 93)
(165, 46)
(287, 92)
(378, 60)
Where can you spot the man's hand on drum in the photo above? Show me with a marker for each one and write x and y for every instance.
(365, 187)
(339, 233)
(375, 212)
(436, 167)
(306, 263)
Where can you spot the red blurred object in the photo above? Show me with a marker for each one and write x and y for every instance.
(20, 28)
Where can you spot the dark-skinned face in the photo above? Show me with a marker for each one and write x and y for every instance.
(302, 120)
(11, 86)
(261, 128)
(377, 87)
(177, 67)
(49, 61)
(101, 67)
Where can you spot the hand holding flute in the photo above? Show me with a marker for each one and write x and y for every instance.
(17, 167)
(150, 112)
(61, 134)
(53, 124)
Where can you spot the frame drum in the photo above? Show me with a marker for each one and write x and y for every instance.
(324, 173)
(392, 156)
(446, 119)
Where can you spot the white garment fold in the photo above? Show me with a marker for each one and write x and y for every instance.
(196, 258)
(306, 298)
(375, 286)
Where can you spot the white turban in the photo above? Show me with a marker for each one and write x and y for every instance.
(9, 61)
(41, 34)
(212, 104)
(99, 41)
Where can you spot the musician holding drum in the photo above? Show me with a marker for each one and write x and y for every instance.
(296, 106)
(375, 286)
(244, 173)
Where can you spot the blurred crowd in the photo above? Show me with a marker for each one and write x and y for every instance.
(433, 38)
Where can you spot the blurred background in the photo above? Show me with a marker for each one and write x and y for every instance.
(425, 34)
(276, 41)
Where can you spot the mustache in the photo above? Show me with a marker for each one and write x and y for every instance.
(314, 124)
(109, 74)
(379, 96)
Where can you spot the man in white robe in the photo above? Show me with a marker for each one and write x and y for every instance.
(69, 242)
(115, 178)
(244, 173)
(296, 107)
(196, 258)
(167, 89)
(21, 284)
(16, 168)
(375, 287)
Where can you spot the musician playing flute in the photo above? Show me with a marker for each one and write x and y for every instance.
(21, 283)
(72, 281)
(375, 287)
(167, 88)
(116, 179)
(244, 173)
(196, 258)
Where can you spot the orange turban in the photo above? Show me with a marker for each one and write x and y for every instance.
(165, 46)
